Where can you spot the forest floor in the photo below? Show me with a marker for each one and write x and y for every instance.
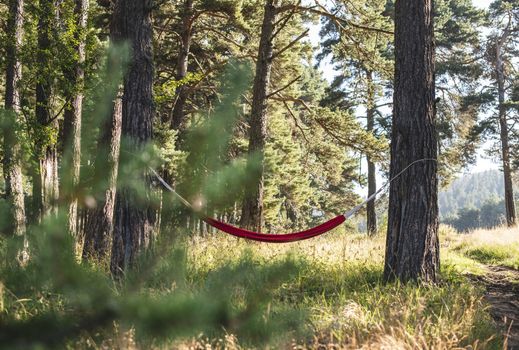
(490, 258)
(324, 293)
(502, 294)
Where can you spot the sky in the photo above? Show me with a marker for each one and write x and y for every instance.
(483, 162)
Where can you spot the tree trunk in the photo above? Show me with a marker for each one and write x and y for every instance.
(45, 178)
(100, 221)
(371, 215)
(134, 216)
(505, 148)
(252, 210)
(412, 248)
(178, 120)
(72, 119)
(12, 149)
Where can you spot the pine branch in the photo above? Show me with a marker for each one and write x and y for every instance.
(284, 21)
(341, 22)
(292, 43)
(284, 87)
(295, 121)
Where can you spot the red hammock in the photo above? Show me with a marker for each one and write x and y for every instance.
(289, 237)
(277, 238)
(262, 237)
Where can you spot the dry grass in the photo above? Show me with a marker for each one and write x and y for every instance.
(348, 306)
(336, 292)
(499, 246)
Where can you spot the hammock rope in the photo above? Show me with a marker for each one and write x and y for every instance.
(286, 237)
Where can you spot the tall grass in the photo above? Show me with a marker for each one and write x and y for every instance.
(222, 292)
(338, 283)
(499, 246)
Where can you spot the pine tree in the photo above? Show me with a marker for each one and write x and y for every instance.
(12, 162)
(458, 71)
(360, 53)
(45, 176)
(412, 248)
(73, 113)
(100, 220)
(252, 211)
(505, 16)
(134, 221)
(199, 28)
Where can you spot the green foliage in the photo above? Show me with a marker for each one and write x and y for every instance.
(63, 300)
(489, 255)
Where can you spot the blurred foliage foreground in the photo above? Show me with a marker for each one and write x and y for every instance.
(222, 292)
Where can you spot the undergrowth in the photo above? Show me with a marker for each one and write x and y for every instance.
(224, 293)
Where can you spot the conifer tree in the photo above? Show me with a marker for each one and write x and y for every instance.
(12, 165)
(361, 55)
(191, 37)
(73, 112)
(134, 218)
(45, 176)
(458, 71)
(412, 247)
(252, 210)
(505, 19)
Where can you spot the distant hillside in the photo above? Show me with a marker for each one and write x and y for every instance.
(471, 191)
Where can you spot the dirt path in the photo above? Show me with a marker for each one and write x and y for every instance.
(502, 285)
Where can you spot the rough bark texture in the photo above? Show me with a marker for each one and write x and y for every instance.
(178, 120)
(412, 249)
(134, 216)
(371, 215)
(72, 119)
(100, 220)
(252, 210)
(12, 151)
(45, 178)
(505, 148)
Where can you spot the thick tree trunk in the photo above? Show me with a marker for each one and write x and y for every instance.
(252, 210)
(134, 216)
(412, 248)
(178, 119)
(45, 178)
(371, 215)
(100, 220)
(12, 150)
(505, 148)
(72, 119)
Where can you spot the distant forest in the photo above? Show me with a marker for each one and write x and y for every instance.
(473, 201)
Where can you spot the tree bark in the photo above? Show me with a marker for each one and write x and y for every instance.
(100, 220)
(72, 119)
(45, 177)
(134, 216)
(505, 148)
(12, 150)
(412, 248)
(371, 215)
(12, 162)
(252, 210)
(178, 120)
